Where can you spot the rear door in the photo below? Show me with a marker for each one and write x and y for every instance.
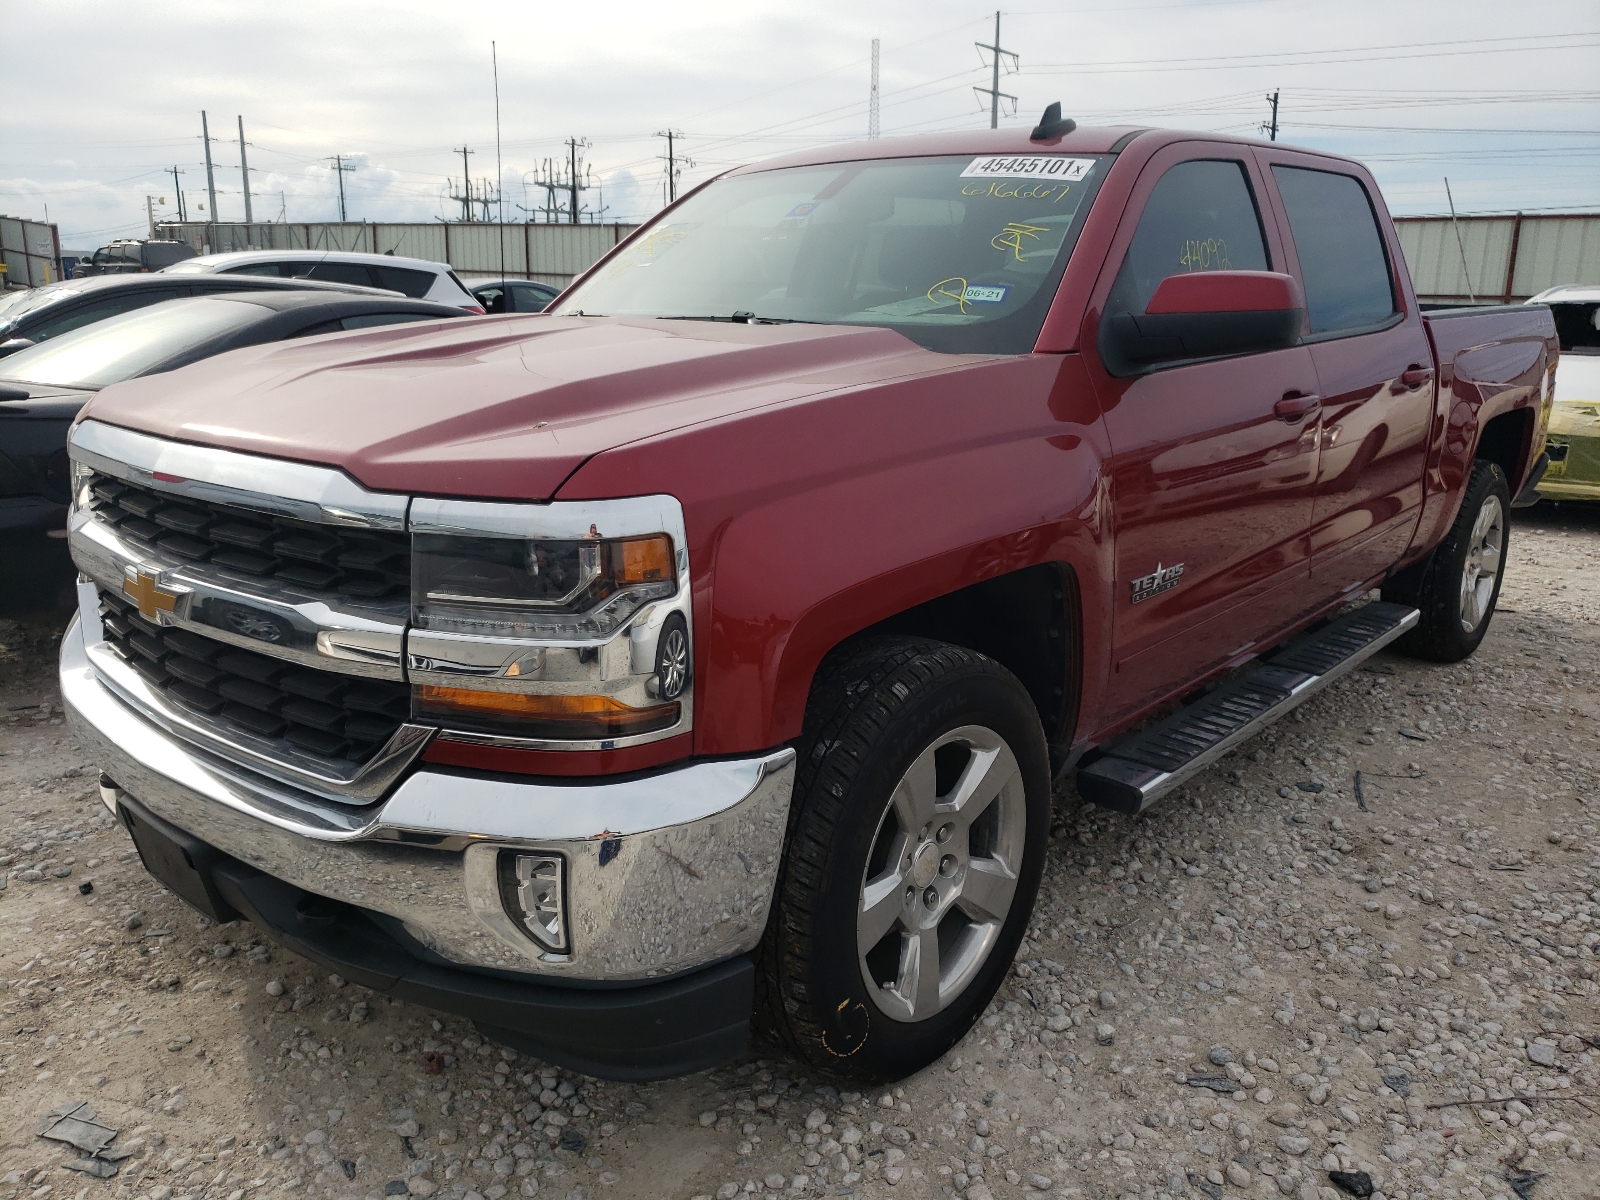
(1212, 488)
(1373, 360)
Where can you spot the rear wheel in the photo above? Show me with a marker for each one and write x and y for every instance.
(1457, 586)
(917, 837)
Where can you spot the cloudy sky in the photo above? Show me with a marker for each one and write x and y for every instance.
(1503, 99)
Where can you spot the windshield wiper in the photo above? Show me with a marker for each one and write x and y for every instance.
(743, 318)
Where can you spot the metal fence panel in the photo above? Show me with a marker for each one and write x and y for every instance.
(31, 251)
(1509, 258)
(548, 253)
(1556, 250)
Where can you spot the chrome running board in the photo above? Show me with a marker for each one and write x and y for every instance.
(1131, 775)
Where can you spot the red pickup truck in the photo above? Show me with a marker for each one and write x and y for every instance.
(699, 656)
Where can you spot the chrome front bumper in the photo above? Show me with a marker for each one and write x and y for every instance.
(663, 873)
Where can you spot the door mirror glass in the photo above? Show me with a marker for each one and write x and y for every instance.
(1211, 313)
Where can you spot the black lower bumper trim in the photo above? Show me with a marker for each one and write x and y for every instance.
(652, 1030)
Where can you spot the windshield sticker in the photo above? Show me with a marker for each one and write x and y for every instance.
(802, 210)
(985, 294)
(1053, 192)
(1010, 238)
(1028, 166)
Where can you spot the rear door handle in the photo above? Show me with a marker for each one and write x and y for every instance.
(1412, 378)
(1296, 405)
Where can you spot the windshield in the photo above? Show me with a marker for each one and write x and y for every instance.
(959, 254)
(15, 304)
(119, 348)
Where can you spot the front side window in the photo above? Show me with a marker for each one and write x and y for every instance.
(1201, 216)
(959, 254)
(1342, 261)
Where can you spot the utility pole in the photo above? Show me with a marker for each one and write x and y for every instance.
(244, 173)
(572, 148)
(1271, 127)
(338, 165)
(466, 182)
(872, 95)
(150, 216)
(993, 90)
(183, 213)
(675, 162)
(211, 183)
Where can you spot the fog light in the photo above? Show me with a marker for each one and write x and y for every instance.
(533, 888)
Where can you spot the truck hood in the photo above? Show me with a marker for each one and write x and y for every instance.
(497, 407)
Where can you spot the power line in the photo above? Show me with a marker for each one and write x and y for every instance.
(993, 90)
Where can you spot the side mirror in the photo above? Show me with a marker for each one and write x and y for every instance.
(1207, 313)
(12, 345)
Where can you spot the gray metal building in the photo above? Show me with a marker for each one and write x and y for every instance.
(1499, 260)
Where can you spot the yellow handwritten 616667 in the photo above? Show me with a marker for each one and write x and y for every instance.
(952, 290)
(1014, 190)
(1011, 237)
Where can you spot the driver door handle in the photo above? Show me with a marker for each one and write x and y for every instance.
(1412, 378)
(1295, 405)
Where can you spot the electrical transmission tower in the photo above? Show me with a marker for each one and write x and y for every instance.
(1270, 128)
(564, 182)
(465, 198)
(339, 168)
(872, 95)
(676, 163)
(993, 90)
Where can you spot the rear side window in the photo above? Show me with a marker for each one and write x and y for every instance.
(1200, 217)
(1578, 327)
(89, 314)
(338, 272)
(1342, 260)
(406, 280)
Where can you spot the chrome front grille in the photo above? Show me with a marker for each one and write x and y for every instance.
(328, 715)
(362, 565)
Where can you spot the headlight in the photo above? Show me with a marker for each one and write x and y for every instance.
(546, 625)
(533, 588)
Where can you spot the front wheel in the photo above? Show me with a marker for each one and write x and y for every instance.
(917, 838)
(1457, 586)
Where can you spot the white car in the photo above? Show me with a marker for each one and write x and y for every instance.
(414, 277)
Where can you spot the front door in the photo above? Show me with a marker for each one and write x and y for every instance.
(1374, 367)
(1212, 476)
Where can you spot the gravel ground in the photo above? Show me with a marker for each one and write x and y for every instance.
(1365, 943)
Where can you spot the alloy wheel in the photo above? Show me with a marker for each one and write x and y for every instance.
(1482, 569)
(942, 873)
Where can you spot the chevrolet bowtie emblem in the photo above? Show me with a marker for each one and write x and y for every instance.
(145, 591)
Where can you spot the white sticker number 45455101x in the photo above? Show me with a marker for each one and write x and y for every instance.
(1027, 166)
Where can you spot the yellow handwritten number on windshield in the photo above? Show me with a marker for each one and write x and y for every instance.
(1010, 238)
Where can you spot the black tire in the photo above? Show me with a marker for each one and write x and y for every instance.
(1436, 585)
(876, 709)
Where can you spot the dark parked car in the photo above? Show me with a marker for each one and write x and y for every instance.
(132, 256)
(514, 295)
(42, 388)
(42, 313)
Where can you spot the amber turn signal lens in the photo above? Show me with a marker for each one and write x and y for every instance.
(643, 560)
(523, 714)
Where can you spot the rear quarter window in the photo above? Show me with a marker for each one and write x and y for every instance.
(406, 280)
